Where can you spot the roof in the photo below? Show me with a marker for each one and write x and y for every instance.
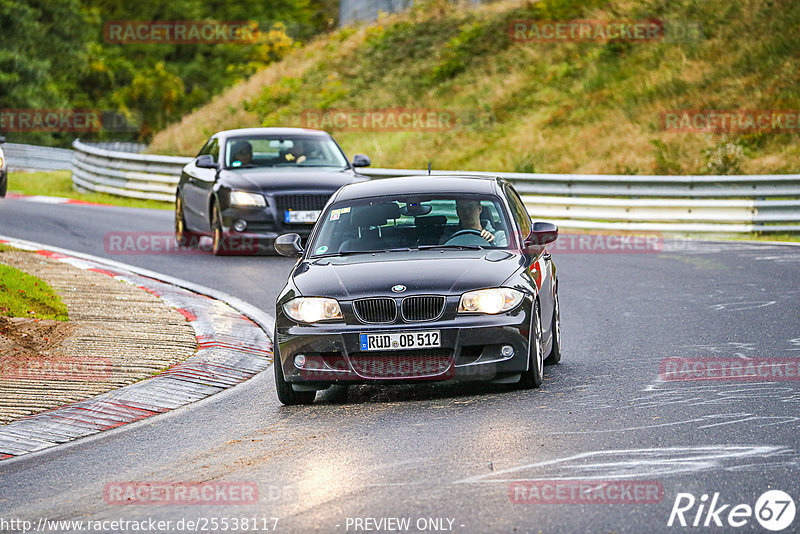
(271, 131)
(419, 184)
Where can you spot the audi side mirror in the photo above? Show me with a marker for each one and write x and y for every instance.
(205, 161)
(360, 160)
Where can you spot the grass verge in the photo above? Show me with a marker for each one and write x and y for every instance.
(24, 295)
(59, 184)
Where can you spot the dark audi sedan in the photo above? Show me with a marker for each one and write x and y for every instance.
(247, 186)
(419, 278)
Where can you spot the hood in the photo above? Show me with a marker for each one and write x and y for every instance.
(268, 180)
(422, 272)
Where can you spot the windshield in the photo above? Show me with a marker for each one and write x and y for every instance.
(411, 222)
(283, 151)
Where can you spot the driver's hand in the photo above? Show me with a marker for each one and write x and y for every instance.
(487, 235)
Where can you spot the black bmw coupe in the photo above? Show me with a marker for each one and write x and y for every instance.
(418, 278)
(247, 186)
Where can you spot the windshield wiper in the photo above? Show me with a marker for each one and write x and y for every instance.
(454, 247)
(351, 252)
(321, 165)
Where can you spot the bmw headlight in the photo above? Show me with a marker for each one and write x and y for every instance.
(312, 309)
(247, 200)
(491, 301)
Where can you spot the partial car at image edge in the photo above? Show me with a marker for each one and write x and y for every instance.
(3, 170)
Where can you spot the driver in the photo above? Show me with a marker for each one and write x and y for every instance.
(242, 153)
(469, 217)
(296, 154)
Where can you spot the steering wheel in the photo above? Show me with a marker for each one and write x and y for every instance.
(466, 231)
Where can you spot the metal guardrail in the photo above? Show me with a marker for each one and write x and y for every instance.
(706, 204)
(126, 174)
(39, 158)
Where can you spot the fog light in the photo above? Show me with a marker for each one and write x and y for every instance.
(300, 361)
(240, 225)
(507, 351)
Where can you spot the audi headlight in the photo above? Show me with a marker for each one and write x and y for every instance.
(312, 309)
(492, 301)
(248, 200)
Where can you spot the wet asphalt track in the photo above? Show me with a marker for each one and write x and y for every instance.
(451, 451)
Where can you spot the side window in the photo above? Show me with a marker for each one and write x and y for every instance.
(211, 148)
(520, 213)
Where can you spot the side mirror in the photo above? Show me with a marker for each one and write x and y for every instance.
(541, 234)
(2, 139)
(206, 161)
(289, 245)
(360, 160)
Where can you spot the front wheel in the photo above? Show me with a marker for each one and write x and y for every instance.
(183, 237)
(532, 378)
(555, 352)
(4, 186)
(220, 245)
(286, 394)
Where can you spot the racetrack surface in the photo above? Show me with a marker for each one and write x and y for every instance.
(452, 450)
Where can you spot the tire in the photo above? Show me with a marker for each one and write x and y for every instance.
(4, 185)
(287, 395)
(183, 237)
(220, 245)
(555, 351)
(532, 378)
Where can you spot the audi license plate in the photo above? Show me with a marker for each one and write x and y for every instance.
(401, 341)
(308, 217)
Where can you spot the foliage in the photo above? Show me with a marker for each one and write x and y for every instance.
(54, 55)
(723, 158)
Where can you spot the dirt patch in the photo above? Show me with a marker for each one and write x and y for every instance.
(22, 336)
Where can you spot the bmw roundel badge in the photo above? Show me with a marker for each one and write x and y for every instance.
(399, 288)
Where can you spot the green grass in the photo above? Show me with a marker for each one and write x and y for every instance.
(59, 184)
(791, 237)
(23, 295)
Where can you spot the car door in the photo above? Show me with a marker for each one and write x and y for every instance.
(197, 188)
(540, 267)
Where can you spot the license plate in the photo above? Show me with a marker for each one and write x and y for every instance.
(401, 341)
(309, 217)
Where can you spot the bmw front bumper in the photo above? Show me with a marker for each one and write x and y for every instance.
(472, 348)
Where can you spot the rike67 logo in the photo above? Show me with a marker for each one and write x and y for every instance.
(774, 510)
